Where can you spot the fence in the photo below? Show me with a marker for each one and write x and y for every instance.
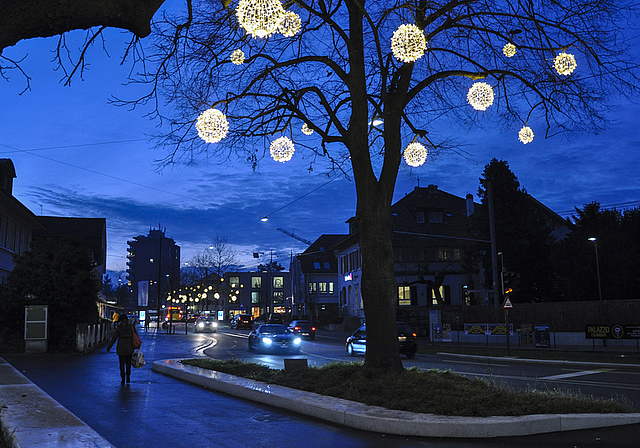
(91, 336)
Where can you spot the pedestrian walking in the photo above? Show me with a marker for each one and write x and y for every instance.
(124, 349)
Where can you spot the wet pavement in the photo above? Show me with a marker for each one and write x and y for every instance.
(159, 411)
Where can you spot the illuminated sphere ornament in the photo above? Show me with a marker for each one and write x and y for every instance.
(237, 57)
(290, 24)
(260, 18)
(480, 96)
(565, 63)
(408, 43)
(509, 50)
(525, 135)
(306, 130)
(415, 154)
(212, 126)
(282, 149)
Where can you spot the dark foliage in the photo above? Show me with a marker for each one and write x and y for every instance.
(55, 273)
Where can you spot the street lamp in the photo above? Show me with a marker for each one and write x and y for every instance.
(595, 244)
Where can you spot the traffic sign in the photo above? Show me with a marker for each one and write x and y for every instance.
(507, 304)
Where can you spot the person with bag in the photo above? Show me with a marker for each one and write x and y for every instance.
(124, 334)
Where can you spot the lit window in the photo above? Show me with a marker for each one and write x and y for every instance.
(404, 295)
(313, 287)
(322, 287)
(256, 282)
(150, 260)
(278, 297)
(278, 282)
(255, 297)
(234, 281)
(330, 287)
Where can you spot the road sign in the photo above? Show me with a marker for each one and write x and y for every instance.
(507, 304)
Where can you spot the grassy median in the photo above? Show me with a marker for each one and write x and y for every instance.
(416, 390)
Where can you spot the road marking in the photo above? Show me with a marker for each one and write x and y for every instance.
(575, 374)
(486, 364)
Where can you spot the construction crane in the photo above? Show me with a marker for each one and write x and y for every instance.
(293, 235)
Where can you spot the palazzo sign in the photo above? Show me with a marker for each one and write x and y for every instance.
(599, 331)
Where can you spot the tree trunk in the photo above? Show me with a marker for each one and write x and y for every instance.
(26, 19)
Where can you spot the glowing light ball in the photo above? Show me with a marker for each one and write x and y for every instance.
(480, 96)
(525, 135)
(237, 57)
(565, 63)
(281, 149)
(408, 43)
(415, 154)
(509, 50)
(260, 18)
(306, 130)
(290, 24)
(212, 126)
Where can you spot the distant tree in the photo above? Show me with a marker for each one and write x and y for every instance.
(523, 235)
(56, 273)
(108, 288)
(216, 259)
(617, 235)
(271, 266)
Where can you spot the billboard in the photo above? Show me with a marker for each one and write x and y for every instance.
(143, 293)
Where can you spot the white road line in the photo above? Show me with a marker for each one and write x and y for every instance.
(574, 374)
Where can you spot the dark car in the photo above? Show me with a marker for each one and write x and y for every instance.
(276, 318)
(303, 328)
(274, 338)
(206, 323)
(241, 321)
(357, 342)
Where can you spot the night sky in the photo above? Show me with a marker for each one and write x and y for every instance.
(76, 155)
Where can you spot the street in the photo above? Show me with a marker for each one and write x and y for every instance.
(155, 410)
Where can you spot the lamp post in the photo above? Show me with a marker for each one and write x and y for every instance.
(595, 244)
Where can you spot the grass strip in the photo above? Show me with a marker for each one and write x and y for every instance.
(415, 390)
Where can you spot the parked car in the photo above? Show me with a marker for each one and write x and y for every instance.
(303, 328)
(357, 342)
(206, 323)
(274, 338)
(241, 321)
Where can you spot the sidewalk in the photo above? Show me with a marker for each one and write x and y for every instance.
(34, 419)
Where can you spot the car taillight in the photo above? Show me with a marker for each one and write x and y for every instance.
(296, 328)
(414, 335)
(313, 328)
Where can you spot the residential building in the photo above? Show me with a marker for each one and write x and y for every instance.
(436, 260)
(314, 275)
(153, 270)
(17, 222)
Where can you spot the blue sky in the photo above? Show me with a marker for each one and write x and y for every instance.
(77, 155)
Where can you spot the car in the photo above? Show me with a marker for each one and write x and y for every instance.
(357, 342)
(274, 338)
(206, 323)
(303, 328)
(241, 321)
(276, 318)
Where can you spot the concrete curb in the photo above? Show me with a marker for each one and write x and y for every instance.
(377, 419)
(34, 419)
(532, 361)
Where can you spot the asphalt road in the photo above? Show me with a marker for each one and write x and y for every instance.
(159, 411)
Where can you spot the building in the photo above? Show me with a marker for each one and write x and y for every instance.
(256, 293)
(314, 276)
(436, 260)
(153, 270)
(17, 222)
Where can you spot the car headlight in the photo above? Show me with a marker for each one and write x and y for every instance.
(214, 324)
(266, 341)
(200, 325)
(297, 341)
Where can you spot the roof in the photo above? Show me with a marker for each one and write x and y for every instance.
(319, 256)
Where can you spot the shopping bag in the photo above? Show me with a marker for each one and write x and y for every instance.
(137, 343)
(137, 360)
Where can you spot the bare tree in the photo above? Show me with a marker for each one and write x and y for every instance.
(216, 259)
(338, 74)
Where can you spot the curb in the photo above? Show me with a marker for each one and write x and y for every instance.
(381, 420)
(533, 361)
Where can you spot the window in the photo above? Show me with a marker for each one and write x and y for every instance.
(234, 281)
(313, 288)
(420, 217)
(256, 282)
(278, 282)
(255, 297)
(326, 265)
(445, 294)
(278, 297)
(404, 296)
(322, 287)
(316, 265)
(330, 287)
(435, 217)
(151, 260)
